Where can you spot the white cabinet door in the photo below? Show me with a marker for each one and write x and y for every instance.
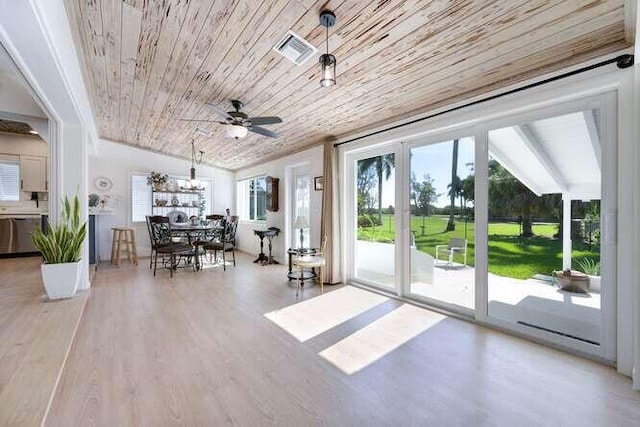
(33, 173)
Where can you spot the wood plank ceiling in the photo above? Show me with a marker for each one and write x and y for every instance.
(19, 128)
(149, 63)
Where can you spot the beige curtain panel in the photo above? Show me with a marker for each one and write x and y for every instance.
(330, 225)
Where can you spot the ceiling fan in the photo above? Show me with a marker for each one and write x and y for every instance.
(238, 124)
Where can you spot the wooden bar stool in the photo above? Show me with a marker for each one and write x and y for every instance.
(127, 237)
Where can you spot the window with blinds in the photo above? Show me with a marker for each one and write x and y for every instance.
(9, 179)
(140, 198)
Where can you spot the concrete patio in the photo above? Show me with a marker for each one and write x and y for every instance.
(534, 302)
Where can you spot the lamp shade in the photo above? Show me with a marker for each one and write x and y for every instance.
(237, 131)
(301, 222)
(328, 70)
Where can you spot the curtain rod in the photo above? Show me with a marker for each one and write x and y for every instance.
(622, 61)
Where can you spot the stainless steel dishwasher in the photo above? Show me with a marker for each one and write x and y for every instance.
(15, 233)
(6, 236)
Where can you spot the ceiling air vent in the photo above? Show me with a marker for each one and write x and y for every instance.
(295, 48)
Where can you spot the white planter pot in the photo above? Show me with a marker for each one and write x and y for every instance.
(61, 280)
(594, 283)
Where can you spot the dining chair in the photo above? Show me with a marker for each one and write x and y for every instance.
(316, 260)
(163, 243)
(223, 243)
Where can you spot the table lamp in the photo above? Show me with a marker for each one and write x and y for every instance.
(301, 223)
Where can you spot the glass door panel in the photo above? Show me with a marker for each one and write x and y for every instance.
(441, 200)
(300, 218)
(374, 246)
(544, 225)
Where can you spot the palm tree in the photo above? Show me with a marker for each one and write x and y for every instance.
(453, 188)
(383, 165)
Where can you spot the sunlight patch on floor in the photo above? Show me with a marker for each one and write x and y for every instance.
(314, 316)
(380, 338)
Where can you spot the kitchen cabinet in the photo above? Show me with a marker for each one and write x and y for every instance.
(33, 173)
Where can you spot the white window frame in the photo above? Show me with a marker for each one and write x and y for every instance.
(242, 187)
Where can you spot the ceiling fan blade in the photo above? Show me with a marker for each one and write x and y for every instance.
(264, 120)
(204, 121)
(219, 111)
(263, 131)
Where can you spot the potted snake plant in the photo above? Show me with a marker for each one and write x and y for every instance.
(61, 248)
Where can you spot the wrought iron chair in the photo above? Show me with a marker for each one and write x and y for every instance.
(163, 243)
(223, 243)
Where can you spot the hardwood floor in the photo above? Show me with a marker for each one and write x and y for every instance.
(35, 337)
(198, 350)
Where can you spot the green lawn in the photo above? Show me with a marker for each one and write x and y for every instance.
(509, 255)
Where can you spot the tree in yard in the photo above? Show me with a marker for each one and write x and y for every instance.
(365, 181)
(451, 225)
(423, 195)
(507, 194)
(382, 165)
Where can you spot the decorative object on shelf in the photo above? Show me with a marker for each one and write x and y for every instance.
(194, 161)
(158, 180)
(102, 183)
(177, 217)
(318, 183)
(94, 200)
(301, 223)
(161, 202)
(327, 61)
(61, 248)
(194, 203)
(272, 194)
(175, 201)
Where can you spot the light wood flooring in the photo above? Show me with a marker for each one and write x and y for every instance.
(35, 337)
(198, 350)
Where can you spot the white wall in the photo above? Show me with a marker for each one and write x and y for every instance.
(636, 213)
(312, 159)
(117, 162)
(37, 36)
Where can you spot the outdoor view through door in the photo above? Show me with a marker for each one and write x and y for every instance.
(544, 217)
(442, 222)
(376, 229)
(510, 221)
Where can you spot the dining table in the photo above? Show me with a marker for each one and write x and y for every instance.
(195, 233)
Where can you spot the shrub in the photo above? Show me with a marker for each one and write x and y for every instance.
(588, 266)
(366, 221)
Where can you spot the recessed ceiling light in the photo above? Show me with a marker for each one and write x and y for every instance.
(33, 132)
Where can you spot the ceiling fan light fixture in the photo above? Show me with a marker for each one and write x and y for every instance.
(327, 61)
(237, 131)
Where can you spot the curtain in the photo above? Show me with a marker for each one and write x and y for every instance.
(330, 224)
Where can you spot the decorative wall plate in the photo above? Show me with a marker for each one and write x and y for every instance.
(102, 183)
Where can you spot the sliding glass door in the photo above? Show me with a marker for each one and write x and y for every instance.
(545, 203)
(441, 223)
(374, 219)
(510, 222)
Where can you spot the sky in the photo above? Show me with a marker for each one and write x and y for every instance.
(435, 160)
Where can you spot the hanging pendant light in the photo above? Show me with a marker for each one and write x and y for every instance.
(327, 61)
(194, 161)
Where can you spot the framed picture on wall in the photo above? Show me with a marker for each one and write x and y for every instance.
(318, 183)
